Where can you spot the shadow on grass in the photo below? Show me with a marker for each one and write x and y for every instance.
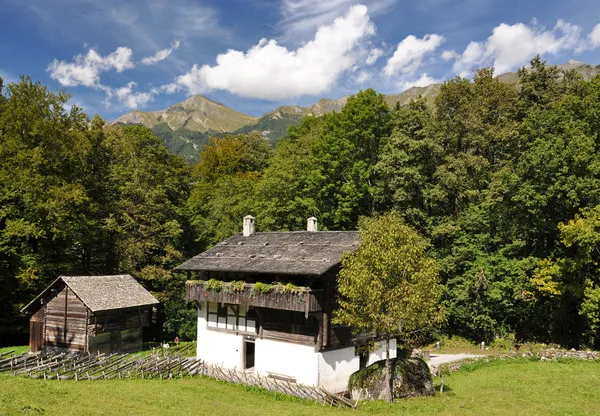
(446, 390)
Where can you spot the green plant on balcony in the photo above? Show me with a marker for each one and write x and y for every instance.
(238, 285)
(255, 288)
(260, 287)
(213, 284)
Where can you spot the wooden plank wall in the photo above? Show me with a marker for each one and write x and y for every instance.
(301, 302)
(117, 330)
(66, 321)
(127, 340)
(289, 327)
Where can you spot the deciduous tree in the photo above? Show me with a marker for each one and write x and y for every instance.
(390, 284)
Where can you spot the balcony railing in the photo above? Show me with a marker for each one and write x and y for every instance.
(306, 301)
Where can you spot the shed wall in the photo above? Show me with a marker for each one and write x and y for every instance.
(118, 330)
(66, 321)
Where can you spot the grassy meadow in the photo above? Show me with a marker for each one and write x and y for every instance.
(524, 387)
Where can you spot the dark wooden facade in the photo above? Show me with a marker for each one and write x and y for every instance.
(309, 301)
(300, 318)
(60, 319)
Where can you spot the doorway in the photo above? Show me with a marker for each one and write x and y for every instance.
(36, 336)
(249, 354)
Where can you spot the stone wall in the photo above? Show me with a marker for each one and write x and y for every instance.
(542, 355)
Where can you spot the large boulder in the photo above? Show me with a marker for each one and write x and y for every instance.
(410, 378)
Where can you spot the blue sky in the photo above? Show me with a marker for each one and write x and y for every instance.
(254, 55)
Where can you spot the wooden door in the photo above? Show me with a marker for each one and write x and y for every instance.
(36, 336)
(249, 354)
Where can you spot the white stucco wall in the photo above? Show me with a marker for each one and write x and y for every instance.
(292, 360)
(218, 348)
(330, 369)
(379, 354)
(336, 367)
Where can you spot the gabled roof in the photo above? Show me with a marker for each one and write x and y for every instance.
(101, 293)
(296, 252)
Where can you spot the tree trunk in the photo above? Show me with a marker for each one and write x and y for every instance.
(388, 371)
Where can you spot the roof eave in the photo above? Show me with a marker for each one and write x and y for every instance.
(289, 273)
(156, 302)
(41, 295)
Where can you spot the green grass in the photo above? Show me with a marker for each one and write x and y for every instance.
(17, 350)
(521, 387)
(456, 344)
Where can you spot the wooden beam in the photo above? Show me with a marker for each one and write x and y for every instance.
(66, 310)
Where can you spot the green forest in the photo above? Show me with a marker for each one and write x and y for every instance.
(502, 180)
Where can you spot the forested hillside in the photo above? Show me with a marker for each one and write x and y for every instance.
(503, 180)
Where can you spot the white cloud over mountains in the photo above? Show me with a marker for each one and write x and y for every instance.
(271, 71)
(302, 18)
(423, 81)
(342, 47)
(595, 36)
(160, 55)
(511, 46)
(85, 69)
(129, 98)
(409, 54)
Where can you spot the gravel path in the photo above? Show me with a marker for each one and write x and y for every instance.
(437, 359)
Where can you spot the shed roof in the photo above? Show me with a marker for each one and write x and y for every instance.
(101, 293)
(296, 252)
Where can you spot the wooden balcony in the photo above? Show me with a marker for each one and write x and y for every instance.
(309, 301)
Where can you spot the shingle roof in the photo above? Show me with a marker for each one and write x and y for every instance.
(297, 252)
(100, 293)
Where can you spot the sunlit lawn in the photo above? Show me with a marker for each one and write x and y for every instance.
(520, 387)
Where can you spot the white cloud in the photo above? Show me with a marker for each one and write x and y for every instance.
(470, 58)
(273, 72)
(511, 46)
(160, 55)
(85, 69)
(450, 55)
(373, 56)
(595, 36)
(362, 77)
(423, 81)
(410, 53)
(130, 99)
(168, 88)
(301, 18)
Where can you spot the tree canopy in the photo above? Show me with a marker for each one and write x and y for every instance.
(502, 179)
(390, 285)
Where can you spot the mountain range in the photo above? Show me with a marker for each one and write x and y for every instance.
(186, 126)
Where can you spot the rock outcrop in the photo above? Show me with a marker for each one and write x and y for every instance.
(410, 378)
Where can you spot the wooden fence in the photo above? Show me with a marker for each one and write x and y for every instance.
(83, 367)
(318, 394)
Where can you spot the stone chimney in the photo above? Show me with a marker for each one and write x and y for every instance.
(311, 224)
(248, 225)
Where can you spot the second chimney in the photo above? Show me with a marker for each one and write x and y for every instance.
(248, 225)
(311, 224)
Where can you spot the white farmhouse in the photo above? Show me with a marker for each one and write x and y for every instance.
(265, 303)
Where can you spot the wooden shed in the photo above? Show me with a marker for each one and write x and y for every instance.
(96, 314)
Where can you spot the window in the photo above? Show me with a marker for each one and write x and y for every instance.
(231, 317)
